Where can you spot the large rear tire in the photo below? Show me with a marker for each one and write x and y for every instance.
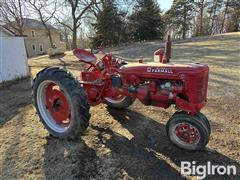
(61, 103)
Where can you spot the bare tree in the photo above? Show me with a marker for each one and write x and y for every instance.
(78, 9)
(11, 13)
(214, 10)
(224, 15)
(41, 8)
(96, 8)
(200, 7)
(235, 14)
(65, 34)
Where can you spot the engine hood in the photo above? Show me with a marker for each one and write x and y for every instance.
(159, 69)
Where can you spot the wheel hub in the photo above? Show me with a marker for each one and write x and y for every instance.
(187, 133)
(57, 104)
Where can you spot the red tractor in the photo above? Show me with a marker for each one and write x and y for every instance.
(62, 102)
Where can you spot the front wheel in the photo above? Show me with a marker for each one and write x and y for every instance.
(187, 132)
(61, 103)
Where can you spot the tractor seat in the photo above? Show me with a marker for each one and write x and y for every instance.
(84, 55)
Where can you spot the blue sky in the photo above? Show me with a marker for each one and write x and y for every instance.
(165, 4)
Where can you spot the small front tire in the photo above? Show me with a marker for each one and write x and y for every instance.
(205, 120)
(187, 132)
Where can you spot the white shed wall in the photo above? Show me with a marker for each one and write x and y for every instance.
(13, 58)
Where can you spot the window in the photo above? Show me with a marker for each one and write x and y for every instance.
(34, 47)
(33, 33)
(41, 47)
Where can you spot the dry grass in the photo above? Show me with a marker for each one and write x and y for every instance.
(126, 144)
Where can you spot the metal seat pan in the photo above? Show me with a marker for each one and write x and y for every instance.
(84, 55)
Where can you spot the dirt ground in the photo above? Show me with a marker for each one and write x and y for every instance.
(124, 144)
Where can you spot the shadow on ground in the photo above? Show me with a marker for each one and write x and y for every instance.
(69, 160)
(149, 143)
(15, 95)
(148, 155)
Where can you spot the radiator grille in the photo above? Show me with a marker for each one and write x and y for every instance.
(202, 85)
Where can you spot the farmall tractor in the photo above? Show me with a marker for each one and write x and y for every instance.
(63, 102)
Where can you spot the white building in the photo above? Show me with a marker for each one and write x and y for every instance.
(13, 57)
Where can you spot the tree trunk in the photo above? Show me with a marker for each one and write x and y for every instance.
(213, 16)
(48, 31)
(50, 37)
(74, 36)
(184, 23)
(20, 19)
(66, 39)
(237, 17)
(224, 17)
(201, 18)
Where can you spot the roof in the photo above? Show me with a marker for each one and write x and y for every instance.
(35, 24)
(8, 31)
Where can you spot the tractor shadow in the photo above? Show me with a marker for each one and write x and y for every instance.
(76, 160)
(146, 154)
(69, 160)
(135, 159)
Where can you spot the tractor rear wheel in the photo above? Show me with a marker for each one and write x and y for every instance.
(187, 132)
(119, 102)
(61, 103)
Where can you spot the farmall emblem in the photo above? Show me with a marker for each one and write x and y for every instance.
(159, 70)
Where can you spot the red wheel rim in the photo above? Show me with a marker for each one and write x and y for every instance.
(187, 133)
(57, 104)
